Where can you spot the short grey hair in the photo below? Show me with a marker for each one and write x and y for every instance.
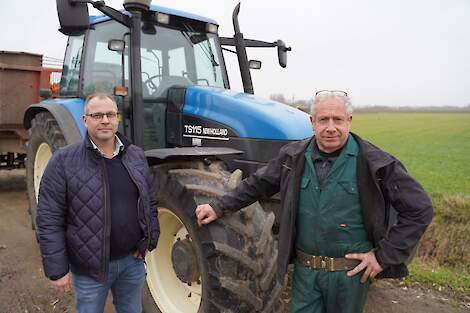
(99, 95)
(343, 97)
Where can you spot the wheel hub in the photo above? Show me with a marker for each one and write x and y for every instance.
(184, 261)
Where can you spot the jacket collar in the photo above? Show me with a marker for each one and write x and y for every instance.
(89, 145)
(298, 147)
(350, 148)
(375, 157)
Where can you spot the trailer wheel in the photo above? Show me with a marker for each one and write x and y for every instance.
(227, 266)
(45, 137)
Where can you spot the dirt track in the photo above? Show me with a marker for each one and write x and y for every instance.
(23, 288)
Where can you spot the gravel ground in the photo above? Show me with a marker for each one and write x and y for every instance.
(23, 288)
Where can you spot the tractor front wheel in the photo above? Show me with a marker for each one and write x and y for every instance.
(226, 266)
(45, 137)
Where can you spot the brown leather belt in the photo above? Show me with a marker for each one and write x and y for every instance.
(326, 263)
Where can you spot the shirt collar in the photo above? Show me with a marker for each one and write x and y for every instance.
(118, 147)
(316, 152)
(349, 148)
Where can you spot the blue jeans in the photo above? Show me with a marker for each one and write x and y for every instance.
(126, 278)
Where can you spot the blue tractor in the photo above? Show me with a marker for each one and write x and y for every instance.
(167, 72)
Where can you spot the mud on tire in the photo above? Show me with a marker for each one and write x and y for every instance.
(236, 254)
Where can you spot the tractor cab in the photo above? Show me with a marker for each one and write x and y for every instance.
(176, 51)
(143, 56)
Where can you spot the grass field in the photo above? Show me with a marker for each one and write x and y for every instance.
(435, 148)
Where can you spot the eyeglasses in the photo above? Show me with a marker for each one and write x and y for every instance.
(331, 92)
(98, 116)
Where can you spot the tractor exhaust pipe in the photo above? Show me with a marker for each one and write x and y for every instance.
(241, 53)
(136, 7)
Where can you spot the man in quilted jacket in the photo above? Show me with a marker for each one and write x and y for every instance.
(97, 214)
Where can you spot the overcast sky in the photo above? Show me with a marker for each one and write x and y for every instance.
(394, 53)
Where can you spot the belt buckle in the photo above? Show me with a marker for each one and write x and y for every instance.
(327, 263)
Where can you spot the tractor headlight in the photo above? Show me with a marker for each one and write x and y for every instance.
(212, 28)
(162, 18)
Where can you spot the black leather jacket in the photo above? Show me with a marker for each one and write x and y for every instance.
(396, 209)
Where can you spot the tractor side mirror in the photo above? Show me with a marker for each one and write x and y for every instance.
(119, 46)
(45, 93)
(254, 64)
(116, 45)
(73, 17)
(282, 53)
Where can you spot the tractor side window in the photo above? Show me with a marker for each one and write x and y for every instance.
(71, 69)
(151, 70)
(103, 67)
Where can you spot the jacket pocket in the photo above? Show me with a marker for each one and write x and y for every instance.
(304, 182)
(349, 187)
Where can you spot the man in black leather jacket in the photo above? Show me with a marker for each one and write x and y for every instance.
(338, 193)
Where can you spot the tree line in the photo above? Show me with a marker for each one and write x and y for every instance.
(304, 105)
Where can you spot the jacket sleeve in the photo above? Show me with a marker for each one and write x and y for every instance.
(154, 223)
(264, 183)
(51, 218)
(414, 214)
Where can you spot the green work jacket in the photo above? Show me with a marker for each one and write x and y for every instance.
(329, 219)
(395, 208)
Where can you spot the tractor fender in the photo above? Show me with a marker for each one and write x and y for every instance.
(170, 153)
(63, 117)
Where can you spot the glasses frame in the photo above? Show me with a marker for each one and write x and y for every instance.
(114, 115)
(342, 92)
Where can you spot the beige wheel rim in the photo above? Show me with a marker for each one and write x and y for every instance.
(169, 292)
(43, 155)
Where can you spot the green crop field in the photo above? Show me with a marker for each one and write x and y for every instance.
(434, 147)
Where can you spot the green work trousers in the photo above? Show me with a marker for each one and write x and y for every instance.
(318, 291)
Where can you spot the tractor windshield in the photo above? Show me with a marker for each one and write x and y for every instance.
(180, 54)
(180, 57)
(177, 56)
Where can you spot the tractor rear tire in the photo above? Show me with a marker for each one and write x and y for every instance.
(236, 255)
(45, 137)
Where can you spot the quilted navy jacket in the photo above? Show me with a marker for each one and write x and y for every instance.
(73, 220)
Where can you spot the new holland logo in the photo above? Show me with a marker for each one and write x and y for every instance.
(198, 131)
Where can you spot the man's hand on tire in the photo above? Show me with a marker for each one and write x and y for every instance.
(205, 214)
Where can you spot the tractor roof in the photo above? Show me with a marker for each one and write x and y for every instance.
(156, 8)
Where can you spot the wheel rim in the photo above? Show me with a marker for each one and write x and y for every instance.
(171, 294)
(43, 155)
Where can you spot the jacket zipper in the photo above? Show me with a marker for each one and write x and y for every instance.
(138, 203)
(105, 228)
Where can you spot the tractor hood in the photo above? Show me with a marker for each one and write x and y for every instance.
(249, 116)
